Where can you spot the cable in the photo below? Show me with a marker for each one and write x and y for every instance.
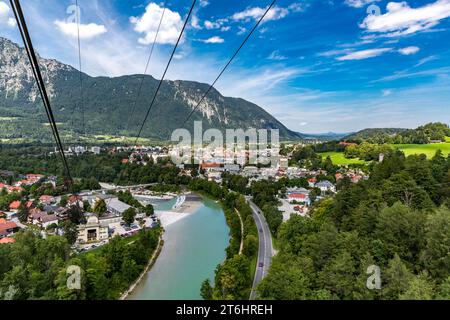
(17, 9)
(229, 62)
(165, 71)
(146, 67)
(79, 64)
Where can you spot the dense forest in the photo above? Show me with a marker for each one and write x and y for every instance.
(398, 219)
(422, 135)
(103, 167)
(36, 268)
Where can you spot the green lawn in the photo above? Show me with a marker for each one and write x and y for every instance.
(338, 158)
(428, 149)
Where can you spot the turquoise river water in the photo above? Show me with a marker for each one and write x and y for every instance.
(193, 247)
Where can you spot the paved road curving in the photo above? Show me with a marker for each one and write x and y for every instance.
(265, 250)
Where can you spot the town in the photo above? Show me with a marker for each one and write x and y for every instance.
(103, 215)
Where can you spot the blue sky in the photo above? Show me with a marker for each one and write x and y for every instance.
(316, 65)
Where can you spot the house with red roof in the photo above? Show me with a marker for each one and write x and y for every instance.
(7, 240)
(14, 206)
(7, 228)
(312, 182)
(45, 199)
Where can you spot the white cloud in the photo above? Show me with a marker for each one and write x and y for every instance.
(148, 23)
(211, 25)
(255, 13)
(409, 50)
(204, 3)
(276, 55)
(400, 19)
(386, 92)
(87, 31)
(225, 28)
(195, 22)
(425, 60)
(364, 54)
(241, 31)
(214, 40)
(359, 3)
(5, 18)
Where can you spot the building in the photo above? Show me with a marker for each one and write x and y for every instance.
(325, 186)
(114, 205)
(312, 182)
(7, 240)
(283, 163)
(298, 195)
(92, 231)
(7, 228)
(14, 206)
(95, 150)
(46, 199)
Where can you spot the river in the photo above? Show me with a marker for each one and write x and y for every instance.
(193, 247)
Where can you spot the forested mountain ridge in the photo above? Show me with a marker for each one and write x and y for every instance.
(108, 102)
(427, 133)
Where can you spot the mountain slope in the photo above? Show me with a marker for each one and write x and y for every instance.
(108, 102)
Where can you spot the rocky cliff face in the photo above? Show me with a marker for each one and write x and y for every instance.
(107, 103)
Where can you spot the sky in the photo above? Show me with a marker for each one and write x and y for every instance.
(316, 65)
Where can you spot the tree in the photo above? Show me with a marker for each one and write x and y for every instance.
(129, 215)
(23, 212)
(149, 210)
(435, 256)
(86, 206)
(250, 245)
(419, 288)
(64, 200)
(206, 290)
(100, 207)
(70, 231)
(395, 279)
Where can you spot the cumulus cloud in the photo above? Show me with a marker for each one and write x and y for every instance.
(5, 18)
(400, 19)
(87, 31)
(364, 54)
(255, 13)
(359, 3)
(275, 13)
(214, 40)
(409, 50)
(148, 23)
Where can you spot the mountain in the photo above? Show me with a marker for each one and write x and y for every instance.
(373, 132)
(428, 133)
(108, 103)
(327, 136)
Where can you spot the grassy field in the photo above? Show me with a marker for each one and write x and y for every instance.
(428, 149)
(338, 158)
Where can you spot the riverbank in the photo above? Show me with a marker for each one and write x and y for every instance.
(147, 268)
(168, 217)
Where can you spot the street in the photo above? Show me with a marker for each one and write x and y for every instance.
(265, 251)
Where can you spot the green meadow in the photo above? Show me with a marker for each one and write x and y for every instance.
(338, 158)
(428, 149)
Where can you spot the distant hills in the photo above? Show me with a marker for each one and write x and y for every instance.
(431, 132)
(108, 103)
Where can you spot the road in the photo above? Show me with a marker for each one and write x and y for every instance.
(265, 250)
